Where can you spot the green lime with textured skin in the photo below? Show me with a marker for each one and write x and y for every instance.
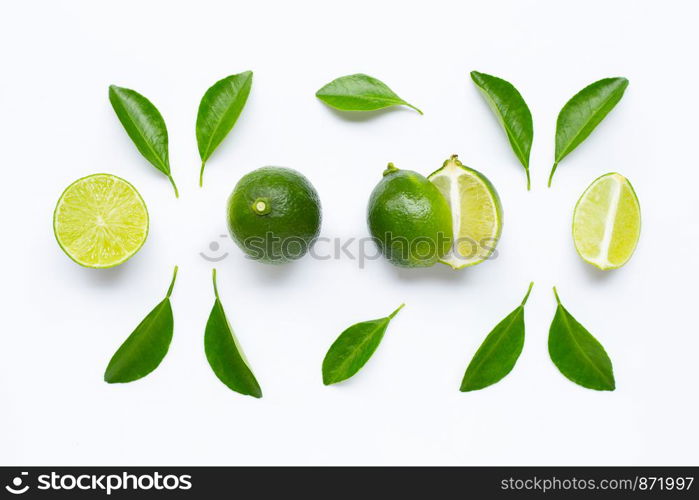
(274, 214)
(409, 219)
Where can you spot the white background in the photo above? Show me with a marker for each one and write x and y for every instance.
(60, 323)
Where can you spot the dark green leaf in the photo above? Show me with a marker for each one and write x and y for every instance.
(218, 111)
(146, 347)
(497, 356)
(145, 125)
(224, 354)
(353, 348)
(512, 113)
(359, 93)
(583, 113)
(577, 354)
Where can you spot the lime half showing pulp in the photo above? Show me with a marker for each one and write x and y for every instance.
(607, 222)
(476, 213)
(100, 221)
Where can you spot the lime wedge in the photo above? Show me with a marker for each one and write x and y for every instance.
(607, 222)
(100, 221)
(476, 213)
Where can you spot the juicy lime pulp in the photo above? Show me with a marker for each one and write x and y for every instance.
(409, 219)
(274, 214)
(607, 222)
(475, 209)
(100, 221)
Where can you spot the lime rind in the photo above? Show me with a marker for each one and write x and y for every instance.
(112, 263)
(453, 169)
(601, 261)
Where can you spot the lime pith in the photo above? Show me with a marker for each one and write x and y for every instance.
(476, 213)
(100, 221)
(607, 222)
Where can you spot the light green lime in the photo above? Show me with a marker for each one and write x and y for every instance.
(607, 222)
(100, 221)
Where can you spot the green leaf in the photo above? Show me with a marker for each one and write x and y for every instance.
(218, 111)
(497, 356)
(145, 125)
(146, 347)
(512, 113)
(353, 348)
(224, 354)
(359, 93)
(583, 113)
(577, 354)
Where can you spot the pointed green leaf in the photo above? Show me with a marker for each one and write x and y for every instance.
(353, 348)
(512, 113)
(577, 354)
(218, 111)
(360, 93)
(145, 125)
(497, 356)
(583, 113)
(146, 347)
(225, 355)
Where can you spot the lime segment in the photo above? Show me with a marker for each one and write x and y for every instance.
(476, 213)
(607, 222)
(100, 221)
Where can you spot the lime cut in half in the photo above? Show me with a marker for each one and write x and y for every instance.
(607, 222)
(476, 213)
(100, 221)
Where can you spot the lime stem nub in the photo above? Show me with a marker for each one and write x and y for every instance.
(261, 206)
(529, 290)
(172, 283)
(529, 182)
(393, 314)
(390, 169)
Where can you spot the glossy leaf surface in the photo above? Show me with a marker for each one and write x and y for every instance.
(360, 93)
(218, 112)
(511, 111)
(143, 351)
(353, 348)
(577, 354)
(145, 126)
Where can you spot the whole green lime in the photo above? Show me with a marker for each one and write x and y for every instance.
(409, 219)
(274, 214)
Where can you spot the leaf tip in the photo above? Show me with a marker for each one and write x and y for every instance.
(393, 314)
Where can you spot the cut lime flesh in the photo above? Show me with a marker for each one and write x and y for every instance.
(476, 213)
(100, 221)
(607, 222)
